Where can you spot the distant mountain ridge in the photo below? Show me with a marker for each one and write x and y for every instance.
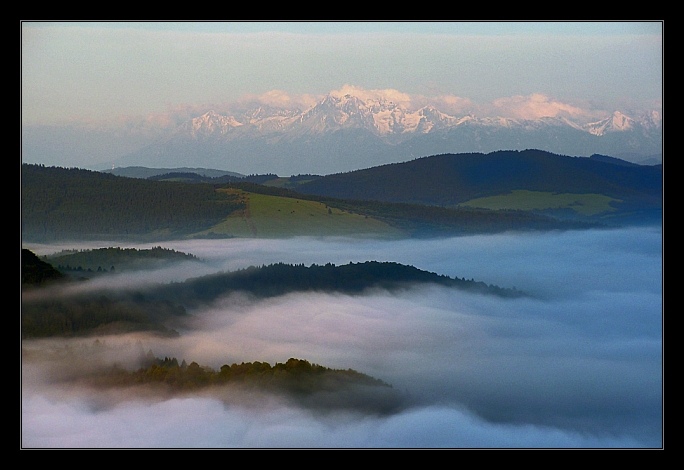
(345, 132)
(388, 119)
(144, 172)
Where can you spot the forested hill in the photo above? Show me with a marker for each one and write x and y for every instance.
(60, 203)
(116, 259)
(451, 179)
(308, 384)
(353, 278)
(155, 308)
(36, 272)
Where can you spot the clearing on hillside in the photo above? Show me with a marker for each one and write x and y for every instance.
(267, 216)
(583, 204)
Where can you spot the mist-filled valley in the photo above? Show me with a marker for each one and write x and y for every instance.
(577, 362)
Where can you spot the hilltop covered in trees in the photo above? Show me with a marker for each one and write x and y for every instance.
(155, 309)
(36, 272)
(451, 179)
(353, 278)
(299, 380)
(60, 203)
(115, 259)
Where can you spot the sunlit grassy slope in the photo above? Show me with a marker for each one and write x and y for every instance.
(269, 216)
(583, 204)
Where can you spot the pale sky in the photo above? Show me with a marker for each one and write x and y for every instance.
(74, 71)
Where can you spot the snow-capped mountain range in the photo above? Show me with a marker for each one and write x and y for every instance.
(344, 132)
(385, 119)
(381, 117)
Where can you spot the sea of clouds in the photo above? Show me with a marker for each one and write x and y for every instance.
(578, 363)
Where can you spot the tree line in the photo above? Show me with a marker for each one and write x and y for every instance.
(115, 259)
(281, 278)
(294, 375)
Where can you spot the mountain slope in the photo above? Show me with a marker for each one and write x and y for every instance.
(274, 216)
(449, 180)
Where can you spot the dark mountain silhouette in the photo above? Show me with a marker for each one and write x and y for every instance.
(280, 278)
(36, 272)
(452, 179)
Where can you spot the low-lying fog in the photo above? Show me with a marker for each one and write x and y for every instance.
(578, 364)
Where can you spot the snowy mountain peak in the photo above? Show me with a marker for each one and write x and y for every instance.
(616, 122)
(652, 119)
(621, 122)
(211, 123)
(379, 115)
(343, 131)
(391, 121)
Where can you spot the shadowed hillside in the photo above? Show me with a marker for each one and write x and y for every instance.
(452, 179)
(59, 203)
(36, 272)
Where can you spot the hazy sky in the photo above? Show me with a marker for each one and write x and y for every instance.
(98, 70)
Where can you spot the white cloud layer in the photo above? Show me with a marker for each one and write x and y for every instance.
(387, 94)
(535, 106)
(577, 365)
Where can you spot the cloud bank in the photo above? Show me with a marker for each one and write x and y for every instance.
(578, 364)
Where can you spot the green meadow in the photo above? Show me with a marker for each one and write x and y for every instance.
(267, 216)
(583, 204)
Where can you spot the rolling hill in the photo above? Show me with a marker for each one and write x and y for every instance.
(628, 191)
(267, 215)
(76, 204)
(70, 203)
